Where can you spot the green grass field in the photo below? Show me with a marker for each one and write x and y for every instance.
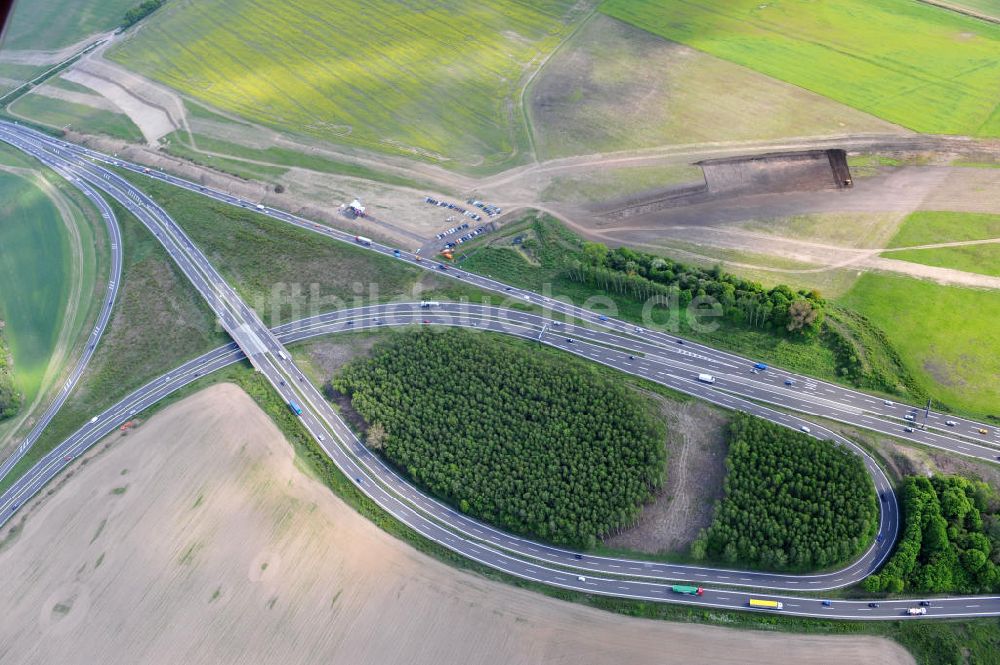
(926, 68)
(981, 259)
(58, 113)
(48, 25)
(947, 336)
(39, 266)
(931, 227)
(434, 80)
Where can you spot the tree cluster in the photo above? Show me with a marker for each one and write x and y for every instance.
(10, 396)
(140, 11)
(951, 539)
(536, 444)
(747, 303)
(791, 502)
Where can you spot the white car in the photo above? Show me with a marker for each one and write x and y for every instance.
(581, 578)
(950, 423)
(805, 429)
(888, 403)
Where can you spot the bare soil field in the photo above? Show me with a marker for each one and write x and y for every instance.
(197, 539)
(696, 468)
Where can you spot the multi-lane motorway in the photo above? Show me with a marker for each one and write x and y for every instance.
(655, 355)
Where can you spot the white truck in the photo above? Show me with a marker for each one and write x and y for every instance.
(361, 240)
(916, 611)
(429, 303)
(706, 378)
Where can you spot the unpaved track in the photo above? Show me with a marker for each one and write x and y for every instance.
(219, 550)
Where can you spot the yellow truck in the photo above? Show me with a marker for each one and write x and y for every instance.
(765, 604)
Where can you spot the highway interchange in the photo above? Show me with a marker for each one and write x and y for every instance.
(653, 355)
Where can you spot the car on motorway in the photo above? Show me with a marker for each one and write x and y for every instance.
(925, 603)
(322, 438)
(950, 423)
(907, 429)
(805, 429)
(14, 506)
(569, 340)
(67, 458)
(909, 416)
(983, 430)
(578, 557)
(827, 603)
(884, 496)
(888, 403)
(426, 321)
(789, 382)
(602, 318)
(631, 357)
(874, 605)
(679, 341)
(581, 578)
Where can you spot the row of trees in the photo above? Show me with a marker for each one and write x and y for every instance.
(791, 502)
(643, 276)
(140, 11)
(10, 396)
(951, 539)
(538, 445)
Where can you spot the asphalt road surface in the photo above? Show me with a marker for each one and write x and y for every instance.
(524, 558)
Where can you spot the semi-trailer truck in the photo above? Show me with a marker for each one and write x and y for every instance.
(689, 590)
(367, 242)
(765, 604)
(706, 378)
(915, 611)
(296, 409)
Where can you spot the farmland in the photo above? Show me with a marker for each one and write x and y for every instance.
(923, 67)
(48, 272)
(616, 87)
(435, 81)
(946, 336)
(48, 25)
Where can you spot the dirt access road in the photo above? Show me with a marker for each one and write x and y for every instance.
(197, 539)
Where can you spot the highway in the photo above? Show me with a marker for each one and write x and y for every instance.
(111, 293)
(517, 556)
(562, 566)
(838, 402)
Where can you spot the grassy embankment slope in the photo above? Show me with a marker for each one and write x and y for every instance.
(285, 272)
(923, 67)
(51, 269)
(432, 81)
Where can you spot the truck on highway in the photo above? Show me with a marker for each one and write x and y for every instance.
(296, 409)
(706, 378)
(916, 611)
(367, 242)
(689, 590)
(765, 604)
(429, 303)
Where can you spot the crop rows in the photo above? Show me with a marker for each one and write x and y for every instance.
(438, 80)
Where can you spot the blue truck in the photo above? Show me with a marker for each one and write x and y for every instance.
(296, 409)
